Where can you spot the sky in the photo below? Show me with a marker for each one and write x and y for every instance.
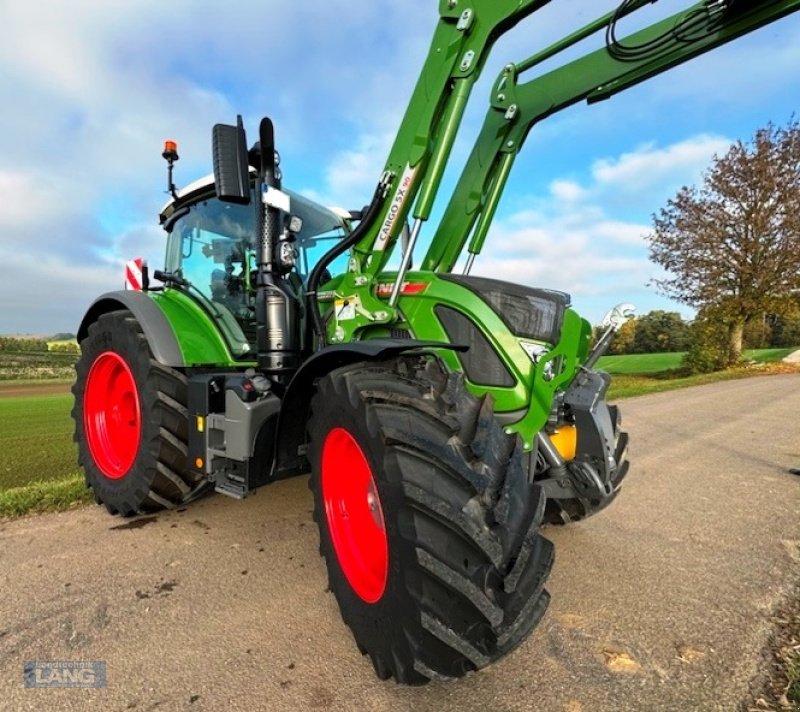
(91, 88)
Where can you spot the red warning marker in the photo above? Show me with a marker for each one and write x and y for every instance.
(133, 274)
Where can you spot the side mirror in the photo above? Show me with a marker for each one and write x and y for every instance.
(231, 169)
(618, 316)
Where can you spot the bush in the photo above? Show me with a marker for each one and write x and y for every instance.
(68, 347)
(708, 350)
(786, 328)
(11, 343)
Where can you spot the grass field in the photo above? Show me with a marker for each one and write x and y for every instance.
(38, 465)
(35, 439)
(656, 363)
(640, 363)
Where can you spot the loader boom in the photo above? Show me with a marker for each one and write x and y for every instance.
(515, 108)
(462, 40)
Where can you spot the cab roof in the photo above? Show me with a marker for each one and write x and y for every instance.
(317, 219)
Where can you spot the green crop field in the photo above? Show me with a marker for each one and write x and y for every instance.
(62, 342)
(35, 439)
(38, 467)
(656, 363)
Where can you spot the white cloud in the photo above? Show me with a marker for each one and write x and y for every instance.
(555, 252)
(648, 165)
(20, 196)
(567, 190)
(621, 233)
(583, 239)
(57, 292)
(352, 174)
(583, 274)
(92, 88)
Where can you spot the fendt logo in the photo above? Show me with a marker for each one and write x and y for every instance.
(64, 673)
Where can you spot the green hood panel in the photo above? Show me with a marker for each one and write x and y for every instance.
(534, 382)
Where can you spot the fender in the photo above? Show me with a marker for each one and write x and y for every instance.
(291, 430)
(155, 325)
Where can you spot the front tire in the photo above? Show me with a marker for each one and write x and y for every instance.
(131, 420)
(428, 522)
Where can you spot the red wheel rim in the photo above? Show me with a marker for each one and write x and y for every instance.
(111, 415)
(354, 514)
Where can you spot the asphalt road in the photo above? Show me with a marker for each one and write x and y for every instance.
(662, 602)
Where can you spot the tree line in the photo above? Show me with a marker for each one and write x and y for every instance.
(28, 344)
(662, 331)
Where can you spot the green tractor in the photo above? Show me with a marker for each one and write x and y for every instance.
(444, 417)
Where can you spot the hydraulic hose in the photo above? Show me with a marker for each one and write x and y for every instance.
(367, 220)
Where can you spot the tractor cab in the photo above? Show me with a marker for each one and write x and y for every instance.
(212, 246)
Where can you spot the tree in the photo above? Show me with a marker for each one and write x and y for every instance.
(659, 331)
(758, 332)
(623, 341)
(731, 248)
(786, 327)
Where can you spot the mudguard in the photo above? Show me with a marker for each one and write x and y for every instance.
(291, 431)
(155, 325)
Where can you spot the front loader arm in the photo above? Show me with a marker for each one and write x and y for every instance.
(466, 31)
(515, 108)
(463, 38)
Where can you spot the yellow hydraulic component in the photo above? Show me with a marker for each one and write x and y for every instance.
(565, 440)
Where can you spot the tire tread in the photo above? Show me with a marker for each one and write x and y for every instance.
(163, 480)
(480, 590)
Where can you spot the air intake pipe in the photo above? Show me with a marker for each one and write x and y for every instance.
(277, 307)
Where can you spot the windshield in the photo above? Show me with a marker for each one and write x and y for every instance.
(214, 247)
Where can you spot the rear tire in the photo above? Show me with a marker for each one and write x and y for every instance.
(131, 421)
(460, 582)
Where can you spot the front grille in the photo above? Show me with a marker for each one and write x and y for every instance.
(527, 311)
(481, 363)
